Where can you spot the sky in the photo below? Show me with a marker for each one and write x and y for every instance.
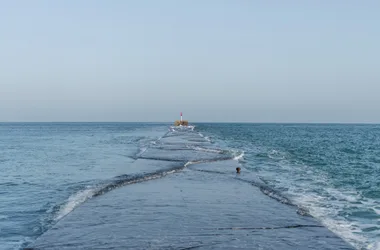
(214, 60)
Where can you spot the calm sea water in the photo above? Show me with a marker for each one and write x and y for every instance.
(47, 170)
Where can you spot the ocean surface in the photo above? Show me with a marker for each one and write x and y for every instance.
(49, 169)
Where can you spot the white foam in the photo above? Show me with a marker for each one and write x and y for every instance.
(374, 246)
(310, 188)
(75, 200)
(348, 196)
(80, 197)
(344, 229)
(239, 157)
(189, 163)
(377, 210)
(326, 211)
(142, 150)
(177, 128)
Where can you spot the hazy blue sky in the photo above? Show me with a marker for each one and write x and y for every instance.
(215, 60)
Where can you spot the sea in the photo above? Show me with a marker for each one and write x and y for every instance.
(332, 171)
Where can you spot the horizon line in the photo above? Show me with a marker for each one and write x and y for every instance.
(215, 122)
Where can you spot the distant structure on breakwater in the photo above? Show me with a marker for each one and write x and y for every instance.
(181, 122)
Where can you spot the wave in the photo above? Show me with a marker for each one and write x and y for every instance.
(335, 208)
(205, 137)
(147, 144)
(131, 179)
(328, 209)
(235, 154)
(74, 201)
(93, 191)
(343, 229)
(239, 156)
(141, 151)
(377, 210)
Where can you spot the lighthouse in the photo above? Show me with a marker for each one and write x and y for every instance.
(181, 122)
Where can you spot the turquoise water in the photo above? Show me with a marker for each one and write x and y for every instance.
(47, 170)
(331, 170)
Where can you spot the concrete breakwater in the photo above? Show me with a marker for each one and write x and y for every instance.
(184, 193)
